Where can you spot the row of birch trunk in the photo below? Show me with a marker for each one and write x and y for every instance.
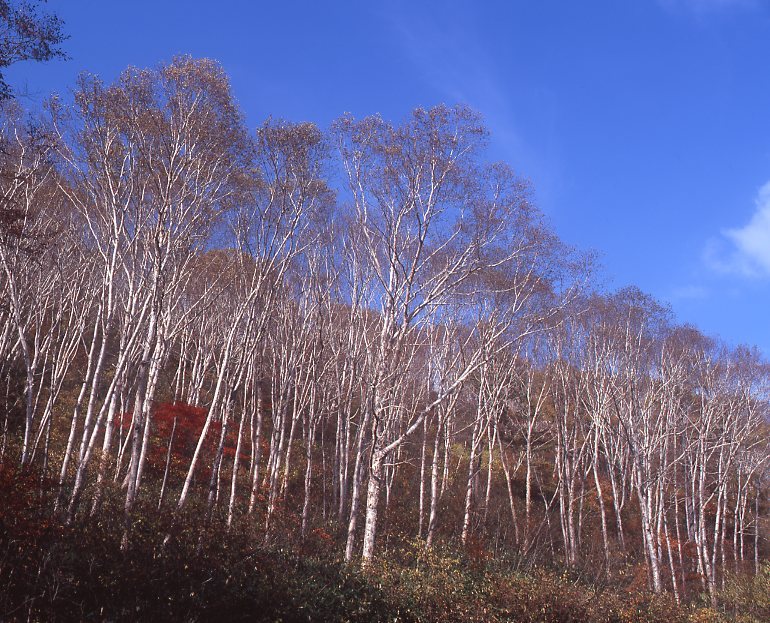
(379, 327)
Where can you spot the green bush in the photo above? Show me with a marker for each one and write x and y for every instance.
(747, 596)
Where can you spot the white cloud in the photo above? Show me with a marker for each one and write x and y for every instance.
(745, 250)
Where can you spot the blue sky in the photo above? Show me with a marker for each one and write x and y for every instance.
(644, 125)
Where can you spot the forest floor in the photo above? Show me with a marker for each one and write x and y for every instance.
(52, 572)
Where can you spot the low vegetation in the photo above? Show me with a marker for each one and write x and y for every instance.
(51, 572)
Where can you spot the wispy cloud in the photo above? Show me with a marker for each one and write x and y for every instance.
(745, 250)
(458, 63)
(689, 293)
(707, 6)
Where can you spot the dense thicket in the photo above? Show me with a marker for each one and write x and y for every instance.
(366, 335)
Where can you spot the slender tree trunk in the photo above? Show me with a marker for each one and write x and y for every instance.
(168, 465)
(355, 497)
(372, 503)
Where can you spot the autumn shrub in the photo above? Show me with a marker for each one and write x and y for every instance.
(747, 596)
(433, 585)
(51, 572)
